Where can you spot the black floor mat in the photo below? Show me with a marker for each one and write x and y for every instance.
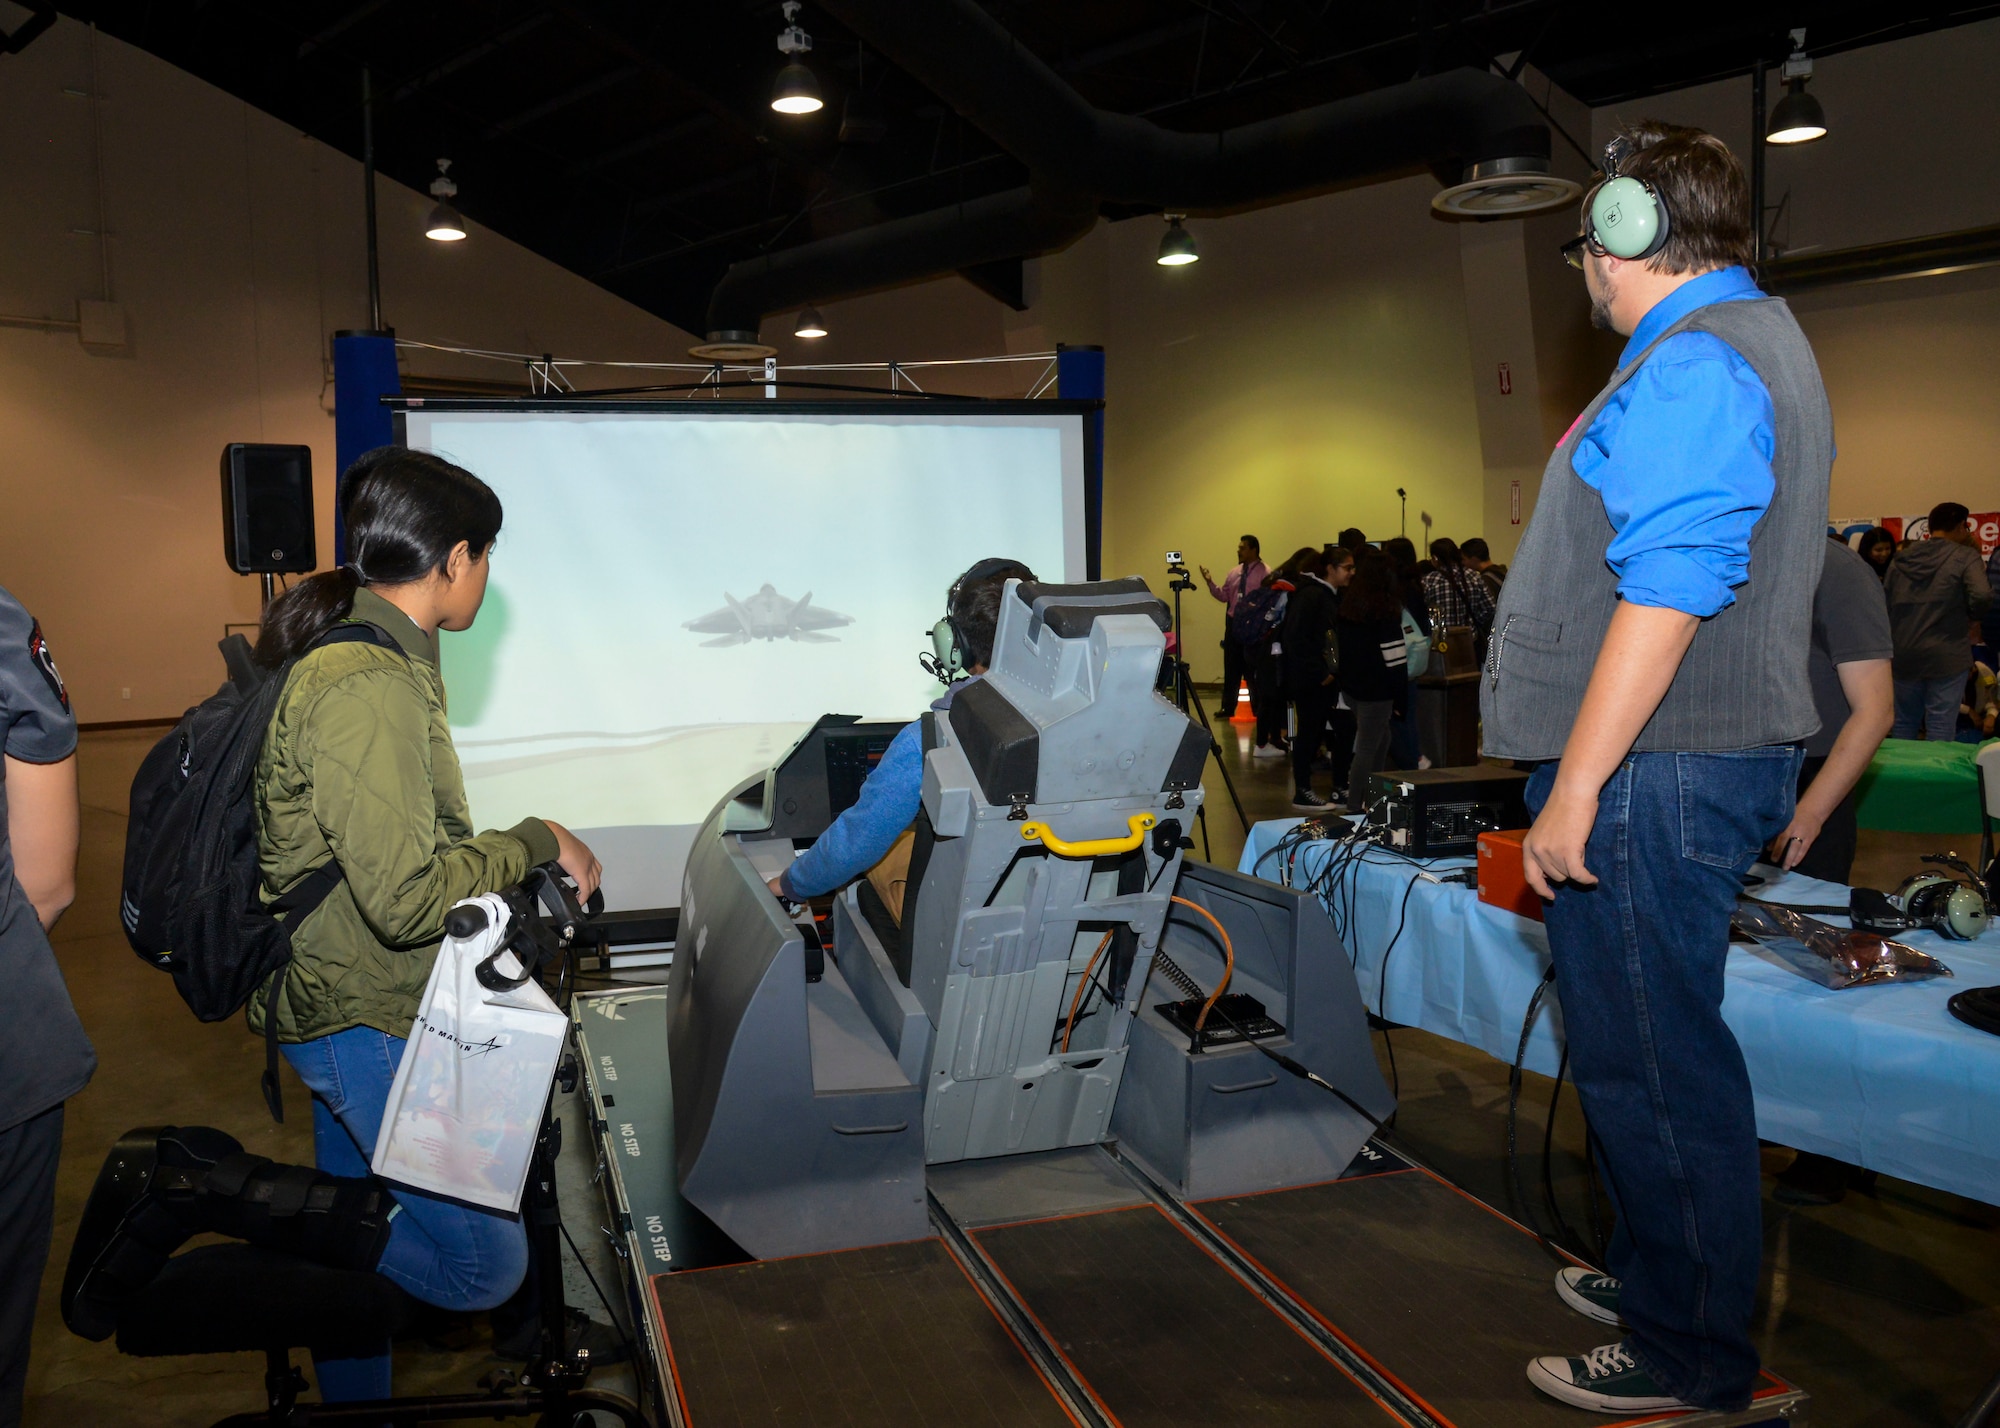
(1449, 1298)
(1163, 1334)
(884, 1337)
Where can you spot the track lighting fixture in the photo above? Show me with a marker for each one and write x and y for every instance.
(1177, 245)
(1798, 119)
(810, 324)
(444, 225)
(796, 91)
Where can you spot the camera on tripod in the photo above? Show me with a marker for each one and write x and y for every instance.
(1178, 569)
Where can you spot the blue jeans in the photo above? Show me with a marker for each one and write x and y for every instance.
(440, 1251)
(1929, 706)
(1639, 961)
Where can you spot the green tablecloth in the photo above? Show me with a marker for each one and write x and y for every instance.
(1915, 786)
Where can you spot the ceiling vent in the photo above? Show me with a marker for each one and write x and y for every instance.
(1507, 188)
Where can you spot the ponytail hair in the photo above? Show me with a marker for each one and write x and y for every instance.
(406, 512)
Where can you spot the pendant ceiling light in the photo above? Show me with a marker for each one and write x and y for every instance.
(811, 324)
(1177, 245)
(796, 90)
(1798, 118)
(444, 225)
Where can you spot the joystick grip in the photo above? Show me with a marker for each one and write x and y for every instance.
(466, 921)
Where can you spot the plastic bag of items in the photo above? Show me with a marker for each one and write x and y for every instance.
(465, 1107)
(1832, 956)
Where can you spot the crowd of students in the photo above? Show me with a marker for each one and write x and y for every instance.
(1944, 625)
(1334, 637)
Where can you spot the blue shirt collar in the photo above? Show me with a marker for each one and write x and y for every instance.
(1722, 285)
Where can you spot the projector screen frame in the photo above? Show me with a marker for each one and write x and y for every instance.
(648, 926)
(1093, 452)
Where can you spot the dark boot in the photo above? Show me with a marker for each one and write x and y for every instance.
(160, 1187)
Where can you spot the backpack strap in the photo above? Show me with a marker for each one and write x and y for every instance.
(298, 902)
(303, 898)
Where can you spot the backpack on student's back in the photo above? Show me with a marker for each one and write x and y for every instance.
(189, 901)
(1257, 615)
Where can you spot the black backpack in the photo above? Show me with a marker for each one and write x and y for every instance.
(189, 901)
(1257, 615)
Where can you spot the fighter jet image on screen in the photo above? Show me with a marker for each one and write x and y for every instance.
(767, 615)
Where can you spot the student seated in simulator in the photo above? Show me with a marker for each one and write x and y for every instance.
(870, 836)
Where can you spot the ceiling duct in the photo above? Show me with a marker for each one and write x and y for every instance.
(1470, 123)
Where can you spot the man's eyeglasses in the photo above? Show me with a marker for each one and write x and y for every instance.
(1574, 250)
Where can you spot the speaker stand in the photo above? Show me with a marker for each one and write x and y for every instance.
(269, 583)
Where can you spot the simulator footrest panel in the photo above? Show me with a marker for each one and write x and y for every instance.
(1163, 1334)
(1446, 1297)
(895, 1336)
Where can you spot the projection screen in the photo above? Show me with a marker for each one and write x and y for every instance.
(681, 588)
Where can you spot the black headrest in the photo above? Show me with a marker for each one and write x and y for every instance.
(1070, 610)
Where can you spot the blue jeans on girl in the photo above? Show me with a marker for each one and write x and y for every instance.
(439, 1251)
(1639, 962)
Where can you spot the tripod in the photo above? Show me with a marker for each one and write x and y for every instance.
(1184, 696)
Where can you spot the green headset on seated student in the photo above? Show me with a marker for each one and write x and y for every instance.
(953, 652)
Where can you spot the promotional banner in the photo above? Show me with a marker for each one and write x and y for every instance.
(1985, 527)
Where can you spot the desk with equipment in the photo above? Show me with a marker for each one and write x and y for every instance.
(1881, 1075)
(1084, 1138)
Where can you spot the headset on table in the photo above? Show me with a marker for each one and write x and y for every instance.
(951, 656)
(1628, 218)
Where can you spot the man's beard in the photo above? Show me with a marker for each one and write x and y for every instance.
(1600, 306)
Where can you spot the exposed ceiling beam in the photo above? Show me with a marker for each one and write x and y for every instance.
(469, 56)
(575, 94)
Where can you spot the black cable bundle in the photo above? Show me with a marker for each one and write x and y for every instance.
(1978, 1007)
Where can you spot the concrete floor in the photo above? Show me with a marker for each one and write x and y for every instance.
(1886, 1307)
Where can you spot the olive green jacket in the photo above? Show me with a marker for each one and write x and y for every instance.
(358, 765)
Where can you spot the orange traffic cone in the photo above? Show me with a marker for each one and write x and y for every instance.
(1244, 713)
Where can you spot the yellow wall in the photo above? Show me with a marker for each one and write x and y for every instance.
(236, 251)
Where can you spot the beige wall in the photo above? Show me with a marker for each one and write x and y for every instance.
(236, 250)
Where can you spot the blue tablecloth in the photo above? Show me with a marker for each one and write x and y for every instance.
(1882, 1076)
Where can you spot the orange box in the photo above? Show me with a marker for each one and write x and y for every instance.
(1501, 882)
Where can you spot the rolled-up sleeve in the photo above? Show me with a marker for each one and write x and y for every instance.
(1683, 464)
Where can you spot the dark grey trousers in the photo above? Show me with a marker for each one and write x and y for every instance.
(28, 1154)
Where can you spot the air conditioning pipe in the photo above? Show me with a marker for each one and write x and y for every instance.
(1469, 123)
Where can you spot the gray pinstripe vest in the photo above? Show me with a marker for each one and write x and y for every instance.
(1743, 683)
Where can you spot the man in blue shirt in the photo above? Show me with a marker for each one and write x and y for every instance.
(1650, 653)
(863, 835)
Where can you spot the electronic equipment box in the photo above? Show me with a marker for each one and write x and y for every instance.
(1440, 813)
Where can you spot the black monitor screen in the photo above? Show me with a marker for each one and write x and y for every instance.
(850, 758)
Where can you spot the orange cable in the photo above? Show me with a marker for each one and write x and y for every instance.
(1228, 962)
(1077, 1000)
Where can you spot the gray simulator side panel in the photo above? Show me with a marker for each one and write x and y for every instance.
(1230, 1121)
(893, 1009)
(783, 1142)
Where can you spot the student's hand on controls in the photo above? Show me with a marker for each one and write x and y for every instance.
(1553, 850)
(777, 885)
(1790, 847)
(574, 857)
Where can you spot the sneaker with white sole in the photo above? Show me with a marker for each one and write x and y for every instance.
(1591, 1294)
(1306, 798)
(1267, 751)
(1607, 1378)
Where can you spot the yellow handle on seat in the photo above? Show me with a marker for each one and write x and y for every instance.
(1093, 847)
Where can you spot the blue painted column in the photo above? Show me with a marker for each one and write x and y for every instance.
(364, 371)
(1080, 375)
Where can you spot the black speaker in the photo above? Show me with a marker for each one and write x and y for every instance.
(267, 508)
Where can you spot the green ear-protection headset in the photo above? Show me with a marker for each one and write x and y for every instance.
(951, 658)
(1627, 217)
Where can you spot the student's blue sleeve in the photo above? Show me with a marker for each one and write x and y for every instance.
(861, 835)
(1684, 466)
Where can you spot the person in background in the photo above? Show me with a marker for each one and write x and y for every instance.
(1479, 558)
(1263, 657)
(1401, 553)
(1456, 595)
(1352, 541)
(45, 1058)
(1877, 548)
(1246, 575)
(1855, 698)
(1990, 625)
(1650, 655)
(1937, 588)
(1311, 677)
(1372, 674)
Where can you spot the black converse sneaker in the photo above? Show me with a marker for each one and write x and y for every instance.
(1590, 1293)
(1607, 1378)
(1305, 798)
